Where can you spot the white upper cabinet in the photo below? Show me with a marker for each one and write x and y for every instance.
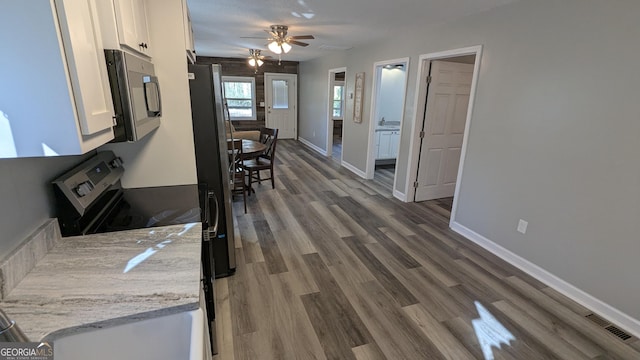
(188, 33)
(131, 21)
(85, 56)
(56, 100)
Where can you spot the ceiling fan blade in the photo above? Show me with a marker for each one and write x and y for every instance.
(299, 43)
(302, 37)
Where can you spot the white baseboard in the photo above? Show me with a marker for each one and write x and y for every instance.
(312, 146)
(400, 196)
(598, 306)
(354, 169)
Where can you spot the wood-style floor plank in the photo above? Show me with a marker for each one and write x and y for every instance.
(381, 273)
(447, 343)
(331, 266)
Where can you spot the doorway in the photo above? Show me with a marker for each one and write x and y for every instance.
(444, 105)
(335, 113)
(281, 96)
(387, 114)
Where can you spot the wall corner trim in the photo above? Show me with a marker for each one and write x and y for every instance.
(400, 196)
(603, 309)
(312, 146)
(354, 169)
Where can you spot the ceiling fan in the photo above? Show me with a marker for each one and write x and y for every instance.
(280, 42)
(256, 59)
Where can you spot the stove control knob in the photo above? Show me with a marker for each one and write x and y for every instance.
(116, 163)
(84, 189)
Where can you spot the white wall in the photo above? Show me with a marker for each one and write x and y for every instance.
(553, 138)
(313, 90)
(166, 156)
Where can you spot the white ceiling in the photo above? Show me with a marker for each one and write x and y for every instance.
(218, 25)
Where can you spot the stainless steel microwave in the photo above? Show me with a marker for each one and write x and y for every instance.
(136, 95)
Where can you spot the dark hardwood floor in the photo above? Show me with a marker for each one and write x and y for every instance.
(384, 176)
(336, 149)
(330, 266)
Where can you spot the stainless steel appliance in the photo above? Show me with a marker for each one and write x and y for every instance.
(212, 160)
(136, 95)
(90, 199)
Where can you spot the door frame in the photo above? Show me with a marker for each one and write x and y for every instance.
(332, 73)
(375, 90)
(295, 99)
(418, 110)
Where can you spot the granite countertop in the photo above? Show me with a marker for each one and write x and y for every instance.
(104, 279)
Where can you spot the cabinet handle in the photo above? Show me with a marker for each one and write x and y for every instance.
(141, 45)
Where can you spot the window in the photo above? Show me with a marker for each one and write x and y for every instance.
(240, 93)
(338, 100)
(280, 94)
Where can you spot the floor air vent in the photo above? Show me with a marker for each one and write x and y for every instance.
(619, 333)
(609, 327)
(598, 320)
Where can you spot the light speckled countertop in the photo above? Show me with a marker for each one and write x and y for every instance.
(92, 279)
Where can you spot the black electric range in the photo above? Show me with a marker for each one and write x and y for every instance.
(90, 199)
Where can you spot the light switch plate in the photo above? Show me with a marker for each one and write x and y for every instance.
(522, 226)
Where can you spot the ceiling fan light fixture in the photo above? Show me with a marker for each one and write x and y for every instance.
(286, 47)
(255, 59)
(275, 47)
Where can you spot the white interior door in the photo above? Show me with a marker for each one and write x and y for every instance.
(443, 129)
(281, 96)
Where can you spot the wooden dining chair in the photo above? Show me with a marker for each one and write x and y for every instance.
(236, 170)
(264, 161)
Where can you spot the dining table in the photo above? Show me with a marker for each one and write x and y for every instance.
(251, 148)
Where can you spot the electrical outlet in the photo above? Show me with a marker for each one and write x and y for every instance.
(522, 226)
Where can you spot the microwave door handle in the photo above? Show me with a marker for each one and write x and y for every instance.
(152, 80)
(159, 98)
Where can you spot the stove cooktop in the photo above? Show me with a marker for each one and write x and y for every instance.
(155, 206)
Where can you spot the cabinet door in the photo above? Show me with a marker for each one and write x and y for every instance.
(188, 33)
(87, 66)
(131, 19)
(141, 25)
(395, 142)
(385, 145)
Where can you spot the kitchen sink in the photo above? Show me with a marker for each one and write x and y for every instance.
(169, 337)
